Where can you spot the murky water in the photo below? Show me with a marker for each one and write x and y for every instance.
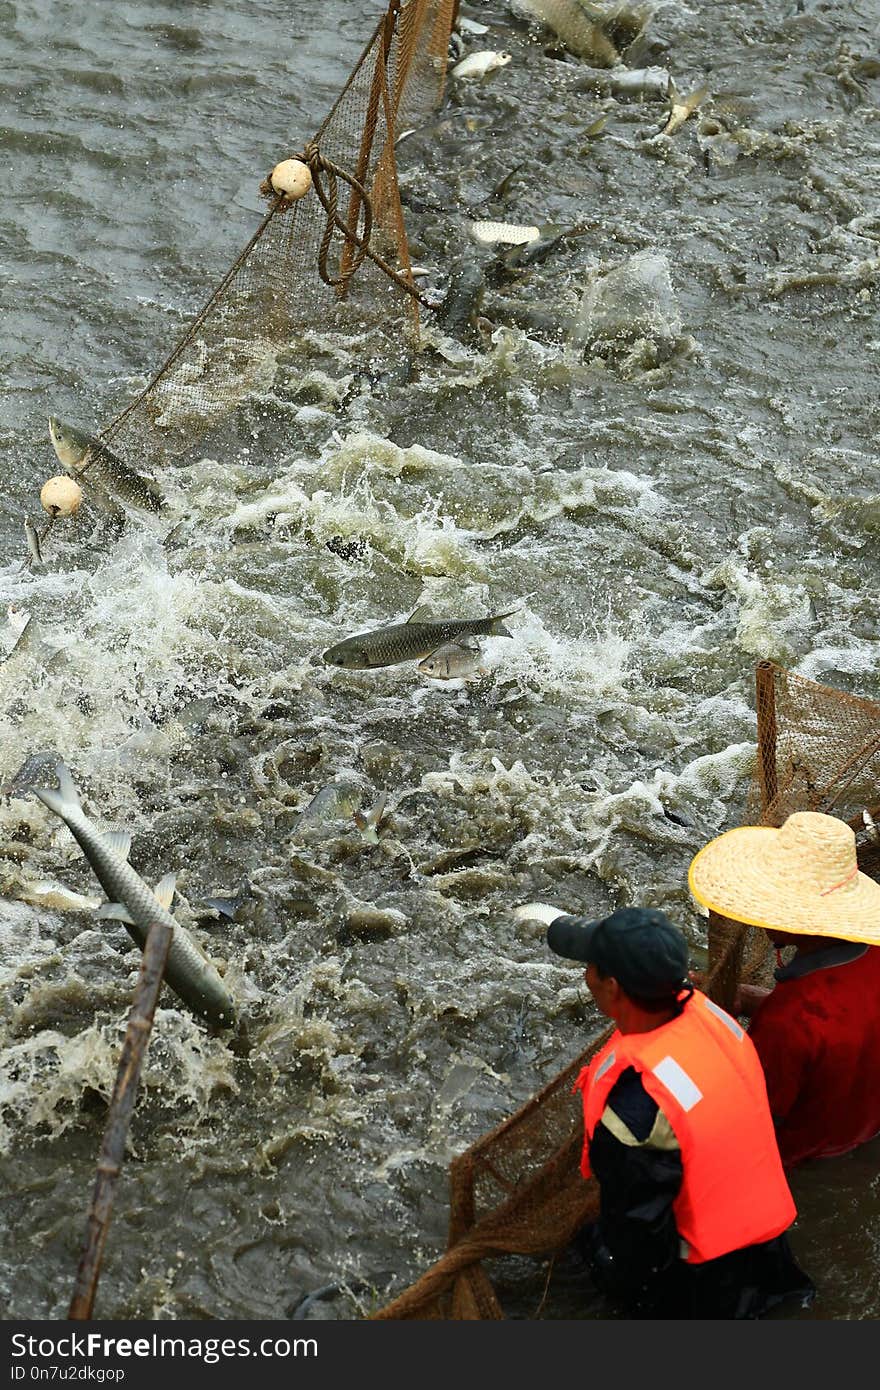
(662, 519)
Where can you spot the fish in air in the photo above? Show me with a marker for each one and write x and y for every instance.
(188, 971)
(453, 661)
(86, 459)
(481, 63)
(410, 641)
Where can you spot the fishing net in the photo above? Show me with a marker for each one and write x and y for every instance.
(334, 260)
(518, 1189)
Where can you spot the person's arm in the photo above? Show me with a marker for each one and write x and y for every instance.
(747, 1000)
(636, 1160)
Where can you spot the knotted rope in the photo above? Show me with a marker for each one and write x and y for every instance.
(325, 177)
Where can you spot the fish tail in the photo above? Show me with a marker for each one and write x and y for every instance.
(496, 625)
(65, 799)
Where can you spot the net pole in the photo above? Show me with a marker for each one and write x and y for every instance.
(112, 1155)
(765, 702)
(726, 941)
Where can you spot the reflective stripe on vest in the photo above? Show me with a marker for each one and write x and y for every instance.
(609, 1062)
(728, 1022)
(678, 1083)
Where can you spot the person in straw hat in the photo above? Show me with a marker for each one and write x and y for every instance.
(817, 1032)
(693, 1201)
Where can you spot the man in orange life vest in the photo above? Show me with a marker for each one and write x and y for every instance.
(677, 1132)
(817, 1032)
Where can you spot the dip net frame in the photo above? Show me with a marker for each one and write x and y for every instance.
(333, 261)
(518, 1189)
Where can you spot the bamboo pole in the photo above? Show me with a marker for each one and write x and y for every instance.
(110, 1159)
(765, 703)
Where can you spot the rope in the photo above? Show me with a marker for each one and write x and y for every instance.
(321, 168)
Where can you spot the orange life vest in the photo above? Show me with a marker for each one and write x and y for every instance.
(703, 1071)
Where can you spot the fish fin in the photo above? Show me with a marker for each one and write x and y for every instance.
(116, 912)
(224, 906)
(65, 798)
(496, 626)
(119, 841)
(422, 614)
(378, 809)
(360, 820)
(695, 99)
(164, 890)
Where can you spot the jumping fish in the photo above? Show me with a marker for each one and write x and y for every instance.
(189, 972)
(33, 542)
(452, 661)
(86, 459)
(57, 897)
(409, 641)
(481, 63)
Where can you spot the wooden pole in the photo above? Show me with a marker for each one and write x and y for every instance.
(765, 702)
(111, 1157)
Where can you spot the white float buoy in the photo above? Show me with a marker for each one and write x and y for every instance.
(291, 179)
(61, 496)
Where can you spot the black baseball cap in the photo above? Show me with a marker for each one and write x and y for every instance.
(645, 952)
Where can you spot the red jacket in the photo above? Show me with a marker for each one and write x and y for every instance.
(818, 1037)
(704, 1073)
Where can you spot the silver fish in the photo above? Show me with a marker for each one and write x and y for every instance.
(189, 972)
(409, 641)
(56, 896)
(452, 661)
(86, 459)
(636, 84)
(481, 63)
(33, 542)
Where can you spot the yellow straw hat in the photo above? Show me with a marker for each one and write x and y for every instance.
(803, 877)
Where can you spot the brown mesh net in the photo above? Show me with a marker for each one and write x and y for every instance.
(518, 1189)
(336, 260)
